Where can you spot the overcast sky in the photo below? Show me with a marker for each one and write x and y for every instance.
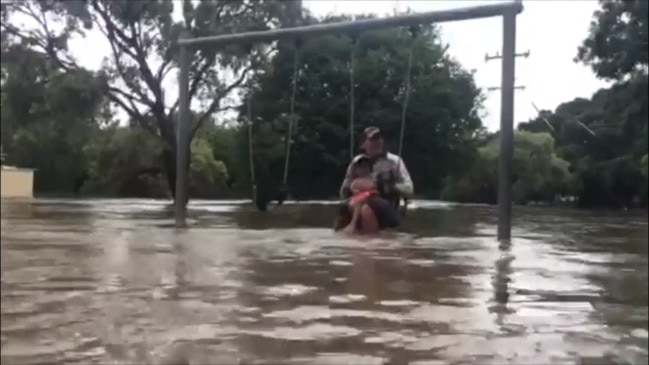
(551, 30)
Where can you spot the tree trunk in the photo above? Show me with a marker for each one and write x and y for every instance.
(169, 164)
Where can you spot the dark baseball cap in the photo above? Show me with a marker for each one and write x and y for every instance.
(362, 159)
(371, 133)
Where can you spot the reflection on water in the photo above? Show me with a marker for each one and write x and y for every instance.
(111, 281)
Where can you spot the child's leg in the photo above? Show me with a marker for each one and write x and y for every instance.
(342, 222)
(360, 218)
(368, 221)
(344, 216)
(344, 209)
(386, 215)
(355, 220)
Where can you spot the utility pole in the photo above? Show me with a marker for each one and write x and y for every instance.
(396, 8)
(507, 88)
(497, 56)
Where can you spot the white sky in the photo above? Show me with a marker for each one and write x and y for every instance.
(551, 30)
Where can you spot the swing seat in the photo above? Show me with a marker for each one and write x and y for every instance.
(282, 195)
(385, 185)
(262, 199)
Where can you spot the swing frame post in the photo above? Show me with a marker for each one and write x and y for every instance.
(508, 10)
(506, 160)
(183, 131)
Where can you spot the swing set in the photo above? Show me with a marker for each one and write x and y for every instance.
(263, 200)
(508, 11)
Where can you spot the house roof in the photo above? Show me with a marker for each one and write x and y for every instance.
(14, 168)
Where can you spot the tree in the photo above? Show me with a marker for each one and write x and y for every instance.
(141, 35)
(539, 174)
(47, 116)
(207, 175)
(617, 42)
(604, 139)
(123, 161)
(229, 144)
(441, 122)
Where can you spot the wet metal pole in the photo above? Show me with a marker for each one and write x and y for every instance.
(364, 25)
(507, 126)
(182, 138)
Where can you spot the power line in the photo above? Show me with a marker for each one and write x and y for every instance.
(497, 56)
(494, 88)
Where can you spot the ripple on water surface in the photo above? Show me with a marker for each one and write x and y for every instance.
(111, 282)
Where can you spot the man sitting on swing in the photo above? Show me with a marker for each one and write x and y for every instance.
(373, 186)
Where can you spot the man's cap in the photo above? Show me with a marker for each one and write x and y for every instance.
(362, 159)
(371, 133)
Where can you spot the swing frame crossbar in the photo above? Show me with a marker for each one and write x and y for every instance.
(507, 10)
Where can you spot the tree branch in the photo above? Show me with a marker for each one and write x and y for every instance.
(116, 32)
(193, 86)
(42, 39)
(130, 46)
(149, 79)
(132, 112)
(127, 95)
(140, 96)
(217, 100)
(164, 69)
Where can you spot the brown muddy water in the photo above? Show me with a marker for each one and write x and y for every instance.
(112, 282)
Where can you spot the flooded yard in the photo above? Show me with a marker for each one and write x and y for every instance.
(112, 282)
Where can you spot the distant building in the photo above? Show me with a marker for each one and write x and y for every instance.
(17, 182)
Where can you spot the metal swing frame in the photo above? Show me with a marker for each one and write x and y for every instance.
(507, 10)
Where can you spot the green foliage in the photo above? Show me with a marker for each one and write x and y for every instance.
(604, 139)
(229, 144)
(539, 174)
(441, 121)
(124, 162)
(207, 175)
(47, 116)
(57, 116)
(141, 35)
(616, 45)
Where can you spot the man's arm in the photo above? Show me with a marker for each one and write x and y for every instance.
(404, 183)
(344, 188)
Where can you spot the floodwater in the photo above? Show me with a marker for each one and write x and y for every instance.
(112, 282)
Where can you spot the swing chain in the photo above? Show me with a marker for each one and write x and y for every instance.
(262, 198)
(253, 180)
(289, 137)
(352, 86)
(414, 32)
(406, 99)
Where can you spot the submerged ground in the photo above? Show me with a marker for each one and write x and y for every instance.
(111, 281)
